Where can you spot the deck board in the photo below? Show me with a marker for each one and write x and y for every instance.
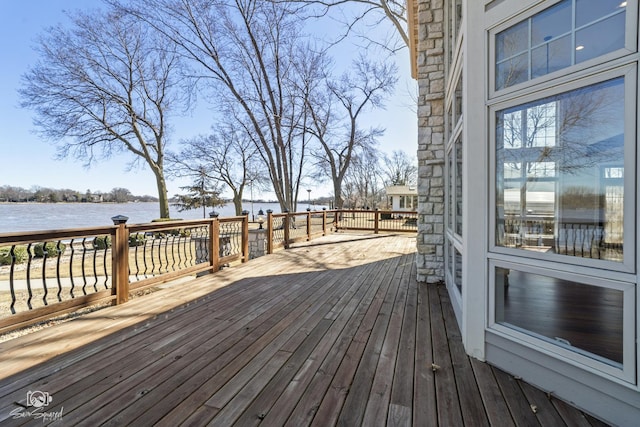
(332, 332)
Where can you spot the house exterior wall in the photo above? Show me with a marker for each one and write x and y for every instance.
(462, 197)
(430, 72)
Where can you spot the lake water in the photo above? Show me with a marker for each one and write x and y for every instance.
(16, 217)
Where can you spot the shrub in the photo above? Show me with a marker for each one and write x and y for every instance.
(173, 232)
(50, 247)
(137, 239)
(20, 252)
(102, 242)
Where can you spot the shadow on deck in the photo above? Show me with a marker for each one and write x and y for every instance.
(334, 332)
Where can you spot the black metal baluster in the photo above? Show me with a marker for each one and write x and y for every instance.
(179, 252)
(12, 254)
(45, 253)
(161, 243)
(144, 256)
(104, 262)
(71, 269)
(29, 259)
(187, 250)
(166, 254)
(153, 263)
(173, 254)
(95, 265)
(58, 270)
(84, 274)
(136, 256)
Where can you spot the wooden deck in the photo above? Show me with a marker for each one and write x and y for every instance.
(334, 332)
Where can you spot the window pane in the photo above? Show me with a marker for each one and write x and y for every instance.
(552, 56)
(512, 71)
(459, 207)
(600, 38)
(570, 314)
(588, 11)
(512, 41)
(557, 38)
(458, 101)
(457, 269)
(551, 23)
(558, 176)
(451, 208)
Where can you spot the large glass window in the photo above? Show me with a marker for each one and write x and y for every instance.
(559, 173)
(576, 316)
(568, 33)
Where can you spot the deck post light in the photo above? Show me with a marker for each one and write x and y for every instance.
(119, 219)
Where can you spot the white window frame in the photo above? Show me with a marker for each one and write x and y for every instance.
(628, 265)
(592, 363)
(630, 47)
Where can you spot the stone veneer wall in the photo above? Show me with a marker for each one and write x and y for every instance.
(431, 154)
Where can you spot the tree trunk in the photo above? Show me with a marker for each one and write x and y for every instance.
(162, 196)
(338, 201)
(237, 203)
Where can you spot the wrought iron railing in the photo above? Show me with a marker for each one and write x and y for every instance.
(377, 220)
(48, 273)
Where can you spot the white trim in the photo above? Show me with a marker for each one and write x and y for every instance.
(475, 184)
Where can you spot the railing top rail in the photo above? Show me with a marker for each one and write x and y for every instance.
(167, 225)
(231, 218)
(24, 237)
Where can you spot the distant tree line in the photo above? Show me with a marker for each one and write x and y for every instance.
(51, 195)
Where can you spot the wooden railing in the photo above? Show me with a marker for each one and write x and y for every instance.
(44, 274)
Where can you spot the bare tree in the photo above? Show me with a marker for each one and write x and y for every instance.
(336, 112)
(244, 51)
(400, 169)
(368, 13)
(105, 85)
(228, 156)
(363, 185)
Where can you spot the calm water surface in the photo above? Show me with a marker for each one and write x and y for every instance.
(55, 216)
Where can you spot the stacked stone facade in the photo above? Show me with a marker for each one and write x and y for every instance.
(431, 140)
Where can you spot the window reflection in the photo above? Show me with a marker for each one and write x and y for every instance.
(600, 38)
(559, 173)
(458, 180)
(457, 278)
(552, 40)
(572, 315)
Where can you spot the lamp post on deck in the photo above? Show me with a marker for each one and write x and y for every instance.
(253, 218)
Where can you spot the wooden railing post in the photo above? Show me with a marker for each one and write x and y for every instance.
(245, 237)
(286, 229)
(308, 225)
(324, 221)
(214, 244)
(376, 223)
(269, 231)
(120, 260)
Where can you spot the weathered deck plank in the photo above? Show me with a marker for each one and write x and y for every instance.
(335, 332)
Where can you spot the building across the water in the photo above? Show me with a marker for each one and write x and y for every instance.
(528, 188)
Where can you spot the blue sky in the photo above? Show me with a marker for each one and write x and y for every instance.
(26, 160)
